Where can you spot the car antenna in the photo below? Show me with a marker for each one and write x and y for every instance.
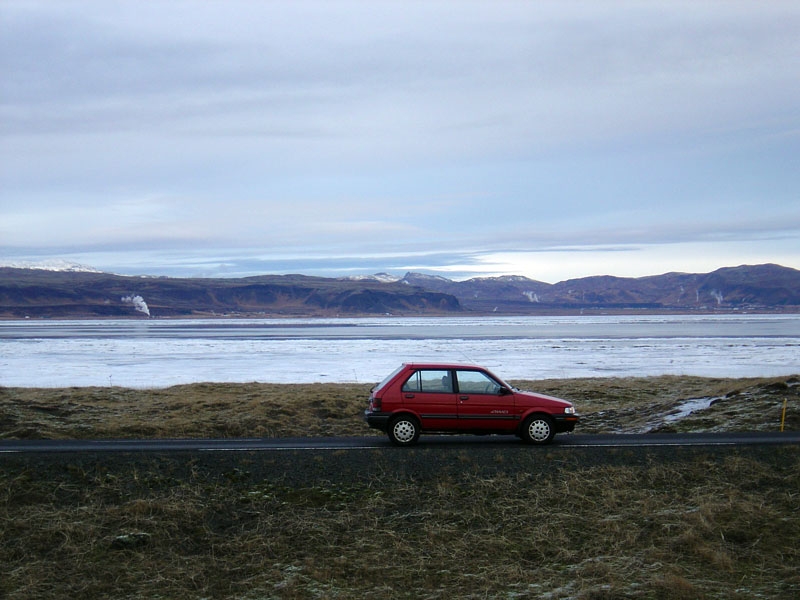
(469, 360)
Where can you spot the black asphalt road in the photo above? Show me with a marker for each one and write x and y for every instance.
(352, 443)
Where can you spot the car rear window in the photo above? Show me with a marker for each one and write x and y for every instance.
(388, 378)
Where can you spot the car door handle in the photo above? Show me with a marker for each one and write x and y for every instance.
(463, 397)
(409, 395)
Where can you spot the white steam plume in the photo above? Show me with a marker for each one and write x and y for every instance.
(138, 303)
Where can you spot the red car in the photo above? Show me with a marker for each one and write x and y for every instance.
(448, 398)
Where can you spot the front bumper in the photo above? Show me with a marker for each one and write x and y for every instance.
(565, 423)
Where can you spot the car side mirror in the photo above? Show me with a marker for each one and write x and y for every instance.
(503, 391)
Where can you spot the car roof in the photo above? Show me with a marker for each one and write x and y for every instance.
(427, 365)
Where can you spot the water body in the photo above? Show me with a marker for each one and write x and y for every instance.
(158, 353)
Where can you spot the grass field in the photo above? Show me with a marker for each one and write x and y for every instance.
(280, 410)
(494, 521)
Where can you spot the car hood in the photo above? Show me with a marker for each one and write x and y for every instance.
(538, 398)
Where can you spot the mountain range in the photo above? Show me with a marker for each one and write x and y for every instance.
(77, 293)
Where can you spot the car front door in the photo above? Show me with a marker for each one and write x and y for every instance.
(483, 402)
(430, 394)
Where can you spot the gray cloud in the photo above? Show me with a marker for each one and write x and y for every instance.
(376, 129)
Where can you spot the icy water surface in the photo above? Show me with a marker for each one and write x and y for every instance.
(157, 353)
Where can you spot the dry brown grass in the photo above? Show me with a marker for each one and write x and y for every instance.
(279, 410)
(196, 410)
(643, 404)
(704, 525)
(431, 522)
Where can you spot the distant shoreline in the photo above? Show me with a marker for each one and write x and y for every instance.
(793, 310)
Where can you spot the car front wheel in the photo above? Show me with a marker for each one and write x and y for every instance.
(538, 429)
(403, 431)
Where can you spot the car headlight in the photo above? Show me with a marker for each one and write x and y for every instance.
(570, 410)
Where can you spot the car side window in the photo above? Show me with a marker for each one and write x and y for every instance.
(430, 381)
(477, 382)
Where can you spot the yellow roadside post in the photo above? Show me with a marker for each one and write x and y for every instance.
(783, 414)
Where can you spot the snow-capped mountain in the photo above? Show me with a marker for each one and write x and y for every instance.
(380, 277)
(56, 264)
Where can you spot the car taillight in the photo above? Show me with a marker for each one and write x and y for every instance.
(375, 404)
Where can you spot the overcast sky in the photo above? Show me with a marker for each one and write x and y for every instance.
(547, 139)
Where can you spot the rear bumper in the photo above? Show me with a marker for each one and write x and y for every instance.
(377, 420)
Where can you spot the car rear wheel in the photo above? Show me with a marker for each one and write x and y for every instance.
(403, 431)
(538, 429)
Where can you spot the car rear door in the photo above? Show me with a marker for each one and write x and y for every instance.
(429, 393)
(483, 402)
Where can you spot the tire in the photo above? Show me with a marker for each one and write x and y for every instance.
(538, 429)
(403, 430)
